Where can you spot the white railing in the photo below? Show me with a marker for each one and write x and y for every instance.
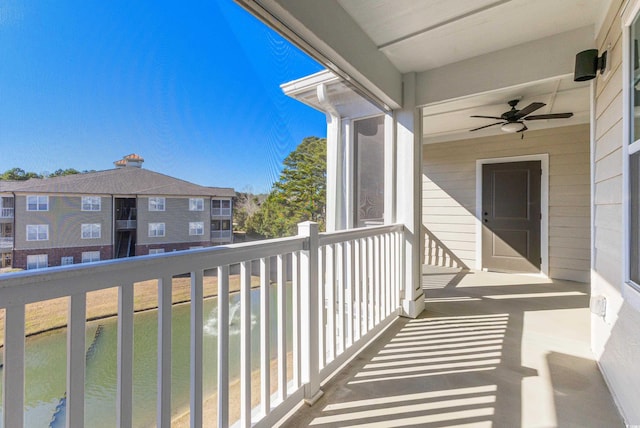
(6, 242)
(345, 288)
(6, 212)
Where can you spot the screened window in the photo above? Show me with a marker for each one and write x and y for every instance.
(91, 203)
(196, 228)
(37, 203)
(221, 207)
(37, 261)
(66, 261)
(90, 256)
(156, 230)
(369, 170)
(37, 232)
(196, 204)
(156, 204)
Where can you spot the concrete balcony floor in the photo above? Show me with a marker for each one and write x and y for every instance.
(490, 350)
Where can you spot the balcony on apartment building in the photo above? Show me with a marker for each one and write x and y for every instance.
(490, 349)
(6, 208)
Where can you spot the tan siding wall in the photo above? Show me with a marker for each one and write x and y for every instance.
(64, 218)
(176, 218)
(449, 194)
(614, 337)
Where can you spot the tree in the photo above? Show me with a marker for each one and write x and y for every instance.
(18, 174)
(63, 172)
(298, 195)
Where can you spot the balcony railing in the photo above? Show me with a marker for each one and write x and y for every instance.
(345, 288)
(221, 234)
(221, 212)
(6, 213)
(6, 242)
(126, 224)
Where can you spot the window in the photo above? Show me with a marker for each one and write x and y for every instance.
(221, 207)
(196, 204)
(91, 203)
(37, 203)
(156, 250)
(91, 231)
(633, 159)
(90, 256)
(66, 261)
(37, 232)
(37, 261)
(156, 204)
(196, 228)
(369, 174)
(156, 230)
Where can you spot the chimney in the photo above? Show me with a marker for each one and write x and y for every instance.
(132, 160)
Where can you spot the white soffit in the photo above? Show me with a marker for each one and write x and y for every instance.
(418, 35)
(450, 120)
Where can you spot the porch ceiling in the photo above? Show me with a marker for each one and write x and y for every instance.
(418, 35)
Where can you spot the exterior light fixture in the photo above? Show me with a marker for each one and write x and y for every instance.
(588, 63)
(513, 127)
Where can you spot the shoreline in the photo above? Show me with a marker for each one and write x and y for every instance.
(147, 290)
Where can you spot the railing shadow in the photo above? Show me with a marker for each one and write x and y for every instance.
(468, 360)
(438, 254)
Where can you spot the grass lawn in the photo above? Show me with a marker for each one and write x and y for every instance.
(52, 314)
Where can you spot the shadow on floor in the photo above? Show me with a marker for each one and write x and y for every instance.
(490, 350)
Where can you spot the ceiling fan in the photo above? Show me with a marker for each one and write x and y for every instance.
(512, 120)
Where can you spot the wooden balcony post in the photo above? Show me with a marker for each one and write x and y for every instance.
(310, 327)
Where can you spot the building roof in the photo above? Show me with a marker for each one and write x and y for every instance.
(118, 181)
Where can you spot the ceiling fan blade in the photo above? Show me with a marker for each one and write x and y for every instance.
(488, 117)
(528, 110)
(549, 116)
(486, 126)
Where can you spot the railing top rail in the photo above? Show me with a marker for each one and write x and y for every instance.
(33, 286)
(353, 234)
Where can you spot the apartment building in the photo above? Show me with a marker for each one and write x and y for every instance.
(116, 213)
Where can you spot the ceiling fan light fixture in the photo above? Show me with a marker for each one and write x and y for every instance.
(513, 127)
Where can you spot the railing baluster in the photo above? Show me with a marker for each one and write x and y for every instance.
(76, 359)
(357, 287)
(322, 314)
(265, 341)
(376, 279)
(340, 288)
(364, 260)
(295, 317)
(223, 346)
(387, 271)
(245, 344)
(282, 327)
(383, 276)
(330, 271)
(196, 338)
(163, 413)
(124, 392)
(350, 286)
(13, 372)
(370, 284)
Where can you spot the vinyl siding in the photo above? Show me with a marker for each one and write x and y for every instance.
(449, 194)
(176, 218)
(64, 218)
(614, 336)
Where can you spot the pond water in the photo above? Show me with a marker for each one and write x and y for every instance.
(45, 360)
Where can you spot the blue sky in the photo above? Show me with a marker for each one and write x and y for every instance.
(192, 89)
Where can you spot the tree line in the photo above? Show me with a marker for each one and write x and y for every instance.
(298, 195)
(19, 174)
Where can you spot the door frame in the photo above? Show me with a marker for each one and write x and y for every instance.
(544, 205)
